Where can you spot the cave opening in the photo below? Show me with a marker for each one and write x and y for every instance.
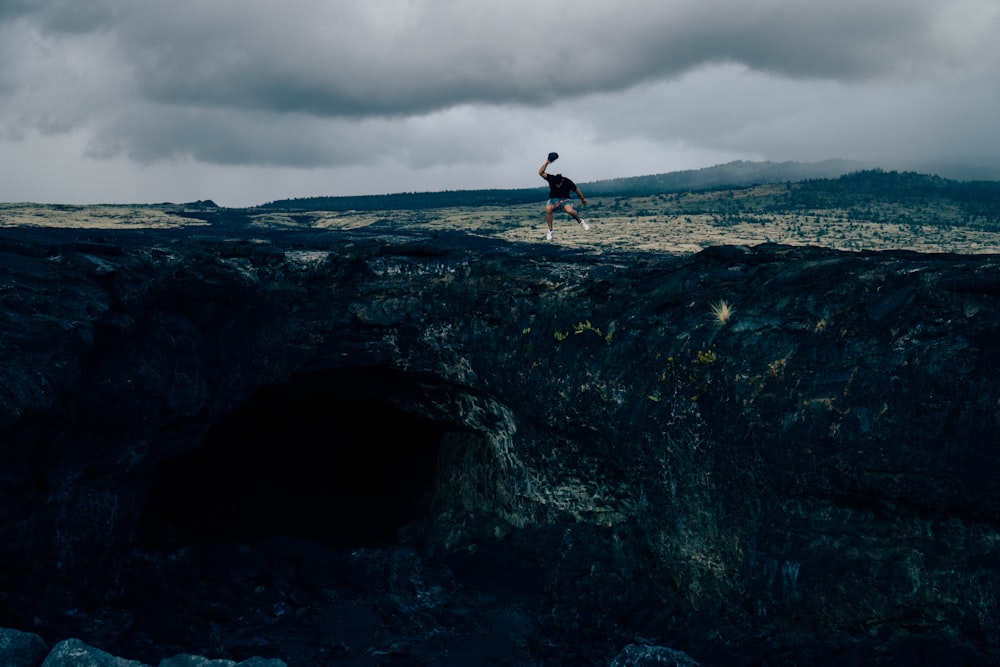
(327, 456)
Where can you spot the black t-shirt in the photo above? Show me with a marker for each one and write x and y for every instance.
(562, 190)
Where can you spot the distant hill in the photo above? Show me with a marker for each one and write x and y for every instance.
(955, 171)
(732, 174)
(739, 174)
(408, 200)
(975, 199)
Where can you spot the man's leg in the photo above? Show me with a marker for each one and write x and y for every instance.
(548, 220)
(576, 216)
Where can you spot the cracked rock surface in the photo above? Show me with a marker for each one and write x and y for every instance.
(360, 447)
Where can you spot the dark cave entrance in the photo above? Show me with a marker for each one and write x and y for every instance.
(325, 456)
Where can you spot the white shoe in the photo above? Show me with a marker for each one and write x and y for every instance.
(584, 223)
(548, 235)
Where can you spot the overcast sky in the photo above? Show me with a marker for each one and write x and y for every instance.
(248, 101)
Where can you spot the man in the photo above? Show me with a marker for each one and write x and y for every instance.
(560, 188)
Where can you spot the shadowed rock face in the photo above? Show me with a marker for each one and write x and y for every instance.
(575, 436)
(317, 457)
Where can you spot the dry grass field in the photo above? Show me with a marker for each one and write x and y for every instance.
(678, 223)
(92, 217)
(662, 223)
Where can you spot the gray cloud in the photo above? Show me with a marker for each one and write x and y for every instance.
(346, 59)
(65, 16)
(428, 85)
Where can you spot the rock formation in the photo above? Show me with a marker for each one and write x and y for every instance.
(358, 446)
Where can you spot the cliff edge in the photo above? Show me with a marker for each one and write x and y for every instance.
(750, 454)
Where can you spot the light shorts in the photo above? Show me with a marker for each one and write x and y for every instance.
(557, 203)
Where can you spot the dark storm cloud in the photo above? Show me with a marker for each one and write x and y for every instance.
(66, 16)
(395, 57)
(429, 84)
(410, 57)
(11, 9)
(218, 136)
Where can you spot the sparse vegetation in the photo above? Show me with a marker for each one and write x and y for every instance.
(950, 219)
(722, 311)
(706, 357)
(585, 327)
(582, 327)
(866, 210)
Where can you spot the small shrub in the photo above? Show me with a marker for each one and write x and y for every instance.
(722, 311)
(706, 357)
(580, 327)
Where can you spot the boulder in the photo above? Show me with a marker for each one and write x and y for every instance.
(74, 653)
(641, 655)
(21, 649)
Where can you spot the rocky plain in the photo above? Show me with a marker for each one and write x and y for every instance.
(432, 438)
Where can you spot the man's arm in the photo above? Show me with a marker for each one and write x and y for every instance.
(583, 200)
(541, 171)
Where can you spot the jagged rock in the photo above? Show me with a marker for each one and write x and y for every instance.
(199, 661)
(21, 649)
(641, 655)
(74, 653)
(809, 472)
